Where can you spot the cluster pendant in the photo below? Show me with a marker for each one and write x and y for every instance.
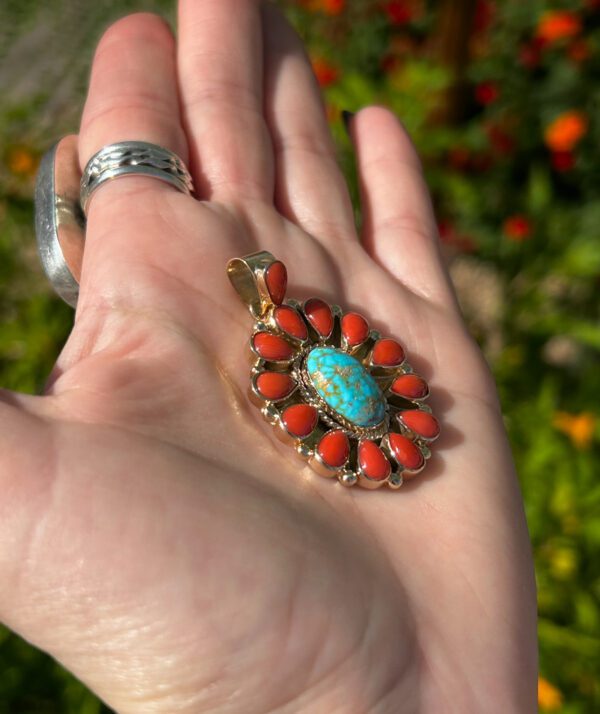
(344, 395)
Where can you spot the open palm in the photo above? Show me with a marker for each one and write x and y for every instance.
(154, 537)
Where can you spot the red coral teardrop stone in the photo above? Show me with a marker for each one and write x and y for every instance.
(276, 280)
(410, 386)
(372, 460)
(319, 314)
(421, 423)
(387, 353)
(300, 419)
(354, 328)
(289, 321)
(272, 347)
(334, 448)
(274, 385)
(406, 452)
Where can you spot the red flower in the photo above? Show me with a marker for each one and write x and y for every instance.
(449, 236)
(399, 12)
(530, 53)
(484, 15)
(487, 92)
(325, 72)
(501, 141)
(459, 157)
(517, 227)
(562, 160)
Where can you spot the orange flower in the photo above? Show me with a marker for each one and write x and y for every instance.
(566, 130)
(557, 25)
(21, 161)
(578, 427)
(517, 227)
(325, 72)
(549, 697)
(333, 7)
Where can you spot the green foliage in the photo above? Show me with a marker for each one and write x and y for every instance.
(518, 219)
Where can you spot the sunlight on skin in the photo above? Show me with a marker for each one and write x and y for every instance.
(157, 540)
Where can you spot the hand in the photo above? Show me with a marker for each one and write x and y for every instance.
(154, 537)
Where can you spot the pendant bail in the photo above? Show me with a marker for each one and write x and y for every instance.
(260, 280)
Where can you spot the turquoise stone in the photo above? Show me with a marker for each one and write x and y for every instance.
(346, 386)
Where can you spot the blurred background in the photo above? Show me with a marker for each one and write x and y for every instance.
(502, 99)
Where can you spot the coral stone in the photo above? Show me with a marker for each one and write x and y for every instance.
(300, 419)
(421, 423)
(407, 454)
(345, 386)
(272, 347)
(274, 385)
(372, 461)
(387, 353)
(319, 314)
(276, 280)
(289, 320)
(354, 328)
(410, 386)
(334, 448)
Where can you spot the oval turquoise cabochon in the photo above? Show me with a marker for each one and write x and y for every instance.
(346, 386)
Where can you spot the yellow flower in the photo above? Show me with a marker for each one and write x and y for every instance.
(549, 697)
(578, 427)
(563, 563)
(21, 161)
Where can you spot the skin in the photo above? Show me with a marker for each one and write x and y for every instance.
(154, 537)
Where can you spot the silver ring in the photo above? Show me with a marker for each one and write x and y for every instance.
(61, 192)
(133, 157)
(59, 221)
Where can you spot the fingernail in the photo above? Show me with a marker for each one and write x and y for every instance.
(347, 118)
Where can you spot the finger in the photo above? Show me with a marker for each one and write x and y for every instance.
(132, 96)
(132, 93)
(220, 75)
(310, 188)
(399, 229)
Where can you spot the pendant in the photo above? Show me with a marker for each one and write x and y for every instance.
(342, 394)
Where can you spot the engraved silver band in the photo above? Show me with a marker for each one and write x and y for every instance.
(133, 157)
